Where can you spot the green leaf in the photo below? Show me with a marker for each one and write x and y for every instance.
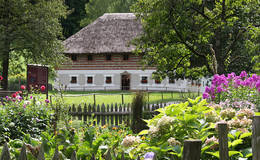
(143, 132)
(249, 155)
(231, 153)
(257, 113)
(244, 135)
(216, 154)
(236, 142)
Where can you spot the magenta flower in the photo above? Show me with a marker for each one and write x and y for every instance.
(47, 101)
(1, 78)
(243, 74)
(219, 89)
(205, 95)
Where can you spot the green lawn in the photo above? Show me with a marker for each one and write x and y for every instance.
(108, 97)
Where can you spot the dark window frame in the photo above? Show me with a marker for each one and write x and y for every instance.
(74, 57)
(89, 79)
(108, 57)
(90, 57)
(108, 80)
(144, 79)
(73, 79)
(125, 57)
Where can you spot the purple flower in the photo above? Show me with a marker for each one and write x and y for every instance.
(47, 101)
(257, 85)
(243, 74)
(231, 76)
(219, 89)
(205, 95)
(31, 97)
(149, 156)
(207, 89)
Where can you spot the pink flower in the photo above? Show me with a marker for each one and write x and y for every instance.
(1, 78)
(205, 95)
(47, 101)
(43, 88)
(243, 74)
(14, 95)
(23, 87)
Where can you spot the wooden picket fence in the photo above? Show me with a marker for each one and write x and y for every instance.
(111, 115)
(191, 151)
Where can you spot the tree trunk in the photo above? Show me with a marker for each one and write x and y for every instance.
(5, 64)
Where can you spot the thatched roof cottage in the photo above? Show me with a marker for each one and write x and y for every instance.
(103, 59)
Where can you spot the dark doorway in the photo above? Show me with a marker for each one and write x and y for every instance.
(125, 81)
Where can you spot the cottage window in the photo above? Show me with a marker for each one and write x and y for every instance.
(89, 80)
(73, 80)
(108, 57)
(144, 80)
(74, 57)
(125, 57)
(108, 80)
(157, 81)
(171, 80)
(90, 57)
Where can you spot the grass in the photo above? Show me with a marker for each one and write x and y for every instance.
(108, 97)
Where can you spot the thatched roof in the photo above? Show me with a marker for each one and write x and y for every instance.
(110, 33)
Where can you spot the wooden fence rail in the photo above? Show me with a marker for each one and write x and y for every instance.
(112, 115)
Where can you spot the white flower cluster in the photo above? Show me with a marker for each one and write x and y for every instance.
(212, 116)
(164, 121)
(248, 113)
(129, 141)
(154, 132)
(240, 123)
(212, 140)
(173, 142)
(228, 113)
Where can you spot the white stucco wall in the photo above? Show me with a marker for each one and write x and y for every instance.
(64, 77)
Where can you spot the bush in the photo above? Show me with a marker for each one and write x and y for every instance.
(22, 116)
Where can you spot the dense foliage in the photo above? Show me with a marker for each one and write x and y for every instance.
(187, 38)
(30, 29)
(23, 116)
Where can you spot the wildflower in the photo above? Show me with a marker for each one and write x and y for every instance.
(129, 141)
(243, 130)
(23, 87)
(27, 103)
(31, 97)
(114, 128)
(243, 74)
(248, 113)
(205, 95)
(149, 156)
(228, 113)
(70, 122)
(173, 142)
(47, 101)
(143, 137)
(43, 88)
(14, 95)
(38, 103)
(1, 78)
(12, 124)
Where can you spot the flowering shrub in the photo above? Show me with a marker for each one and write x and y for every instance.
(195, 119)
(22, 116)
(234, 90)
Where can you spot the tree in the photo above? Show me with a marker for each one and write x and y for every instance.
(30, 28)
(71, 24)
(190, 38)
(96, 8)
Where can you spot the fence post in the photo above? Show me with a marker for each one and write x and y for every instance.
(256, 138)
(22, 155)
(73, 156)
(5, 153)
(192, 149)
(122, 98)
(223, 141)
(41, 153)
(94, 96)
